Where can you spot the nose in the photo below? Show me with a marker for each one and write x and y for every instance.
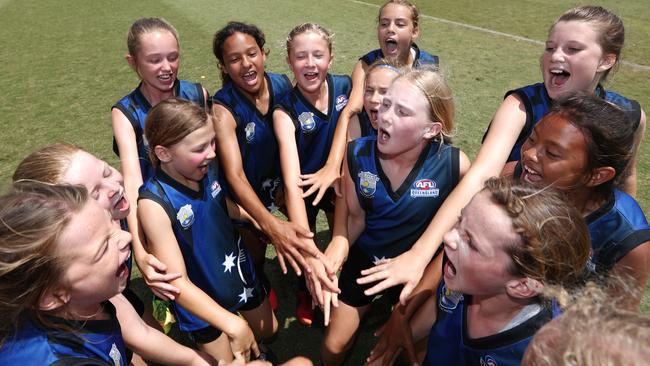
(125, 240)
(375, 98)
(245, 61)
(310, 60)
(450, 239)
(113, 187)
(529, 153)
(557, 55)
(166, 65)
(391, 27)
(211, 153)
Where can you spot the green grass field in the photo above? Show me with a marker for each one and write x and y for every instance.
(63, 67)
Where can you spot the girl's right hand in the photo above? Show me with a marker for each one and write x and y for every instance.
(242, 340)
(154, 274)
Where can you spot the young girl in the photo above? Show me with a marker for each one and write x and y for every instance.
(509, 243)
(582, 147)
(62, 258)
(184, 216)
(304, 122)
(397, 29)
(247, 147)
(583, 45)
(153, 53)
(378, 78)
(396, 182)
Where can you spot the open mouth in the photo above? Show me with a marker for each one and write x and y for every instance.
(310, 76)
(120, 203)
(250, 77)
(123, 269)
(449, 270)
(559, 77)
(391, 45)
(530, 175)
(373, 114)
(166, 77)
(383, 136)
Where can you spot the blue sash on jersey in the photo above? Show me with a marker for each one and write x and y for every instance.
(365, 125)
(421, 57)
(90, 342)
(135, 107)
(216, 260)
(315, 129)
(396, 217)
(257, 143)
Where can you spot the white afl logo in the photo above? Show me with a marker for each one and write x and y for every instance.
(250, 131)
(488, 361)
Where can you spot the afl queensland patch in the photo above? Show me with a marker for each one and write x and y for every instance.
(424, 188)
(185, 216)
(367, 183)
(341, 102)
(250, 131)
(488, 360)
(307, 123)
(215, 189)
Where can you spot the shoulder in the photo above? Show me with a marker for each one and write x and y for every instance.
(371, 56)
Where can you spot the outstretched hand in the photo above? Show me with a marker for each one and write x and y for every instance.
(290, 241)
(319, 182)
(394, 336)
(154, 274)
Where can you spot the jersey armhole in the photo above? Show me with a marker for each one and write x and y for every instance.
(134, 124)
(169, 210)
(455, 167)
(199, 92)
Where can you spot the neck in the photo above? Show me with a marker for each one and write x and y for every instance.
(488, 315)
(261, 98)
(406, 158)
(174, 174)
(319, 98)
(153, 95)
(81, 312)
(585, 200)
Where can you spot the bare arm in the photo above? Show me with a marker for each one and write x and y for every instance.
(633, 270)
(163, 244)
(289, 239)
(150, 343)
(407, 268)
(630, 182)
(155, 273)
(330, 173)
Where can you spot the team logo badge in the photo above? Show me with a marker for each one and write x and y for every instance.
(449, 299)
(250, 131)
(368, 183)
(341, 102)
(424, 188)
(215, 189)
(307, 123)
(115, 355)
(185, 216)
(488, 361)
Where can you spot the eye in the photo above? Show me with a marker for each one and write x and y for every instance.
(553, 154)
(172, 57)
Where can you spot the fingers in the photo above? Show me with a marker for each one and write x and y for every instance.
(255, 350)
(329, 267)
(314, 187)
(410, 350)
(406, 292)
(321, 192)
(291, 258)
(374, 269)
(156, 277)
(337, 188)
(283, 266)
(168, 291)
(326, 308)
(168, 296)
(156, 264)
(381, 286)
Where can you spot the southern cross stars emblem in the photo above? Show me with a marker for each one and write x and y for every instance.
(246, 294)
(229, 262)
(376, 260)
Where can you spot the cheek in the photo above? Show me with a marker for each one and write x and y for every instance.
(197, 159)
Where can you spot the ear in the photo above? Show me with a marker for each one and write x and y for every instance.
(416, 33)
(163, 154)
(53, 299)
(331, 59)
(601, 175)
(433, 130)
(607, 62)
(524, 288)
(130, 60)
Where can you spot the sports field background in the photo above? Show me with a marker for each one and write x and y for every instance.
(62, 67)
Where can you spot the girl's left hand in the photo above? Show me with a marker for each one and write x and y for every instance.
(394, 336)
(327, 176)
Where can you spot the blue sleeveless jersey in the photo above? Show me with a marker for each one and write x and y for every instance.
(537, 104)
(91, 342)
(449, 343)
(216, 259)
(365, 125)
(396, 218)
(314, 129)
(257, 143)
(616, 229)
(135, 107)
(421, 57)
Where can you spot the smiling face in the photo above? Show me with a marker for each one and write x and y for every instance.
(309, 59)
(573, 60)
(377, 83)
(103, 182)
(475, 248)
(555, 153)
(95, 252)
(396, 32)
(157, 60)
(243, 62)
(404, 124)
(189, 158)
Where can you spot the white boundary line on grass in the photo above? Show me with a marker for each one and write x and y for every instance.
(497, 33)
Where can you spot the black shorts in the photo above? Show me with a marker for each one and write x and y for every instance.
(352, 292)
(326, 204)
(210, 333)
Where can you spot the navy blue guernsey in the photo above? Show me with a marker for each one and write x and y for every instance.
(216, 259)
(365, 126)
(449, 343)
(315, 129)
(421, 57)
(616, 228)
(395, 219)
(254, 130)
(135, 107)
(88, 342)
(538, 103)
